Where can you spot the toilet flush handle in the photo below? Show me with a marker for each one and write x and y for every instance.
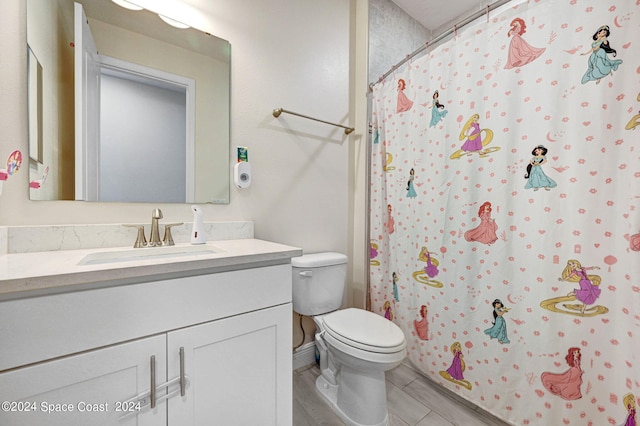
(306, 273)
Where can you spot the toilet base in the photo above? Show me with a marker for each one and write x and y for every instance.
(329, 393)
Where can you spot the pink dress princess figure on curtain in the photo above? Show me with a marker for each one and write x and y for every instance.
(589, 290)
(566, 385)
(422, 326)
(520, 52)
(404, 103)
(485, 232)
(390, 221)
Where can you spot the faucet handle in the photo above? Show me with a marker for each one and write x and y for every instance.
(141, 240)
(156, 214)
(167, 240)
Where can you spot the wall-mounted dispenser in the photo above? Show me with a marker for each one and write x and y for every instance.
(242, 169)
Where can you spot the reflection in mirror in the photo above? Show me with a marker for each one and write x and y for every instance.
(34, 77)
(141, 114)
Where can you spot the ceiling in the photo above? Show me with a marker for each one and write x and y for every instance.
(434, 14)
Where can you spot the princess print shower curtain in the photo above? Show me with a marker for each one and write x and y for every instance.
(505, 211)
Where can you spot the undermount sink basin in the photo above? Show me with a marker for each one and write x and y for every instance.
(146, 253)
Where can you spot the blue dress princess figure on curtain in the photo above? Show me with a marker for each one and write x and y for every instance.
(437, 110)
(395, 286)
(499, 329)
(536, 178)
(411, 192)
(599, 63)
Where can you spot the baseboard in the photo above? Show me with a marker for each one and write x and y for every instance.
(304, 355)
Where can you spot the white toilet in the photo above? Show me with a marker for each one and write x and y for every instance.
(356, 346)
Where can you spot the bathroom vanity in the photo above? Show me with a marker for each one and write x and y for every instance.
(182, 339)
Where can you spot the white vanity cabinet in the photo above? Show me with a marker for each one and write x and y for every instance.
(85, 389)
(224, 337)
(235, 370)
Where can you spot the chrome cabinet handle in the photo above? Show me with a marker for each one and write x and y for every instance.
(183, 382)
(153, 392)
(150, 399)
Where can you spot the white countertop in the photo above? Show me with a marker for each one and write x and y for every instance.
(35, 274)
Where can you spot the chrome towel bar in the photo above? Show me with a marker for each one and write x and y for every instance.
(278, 111)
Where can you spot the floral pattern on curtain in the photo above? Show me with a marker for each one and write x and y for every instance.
(505, 211)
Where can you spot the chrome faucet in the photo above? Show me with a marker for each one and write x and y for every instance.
(154, 237)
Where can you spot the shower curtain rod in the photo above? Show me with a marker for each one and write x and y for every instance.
(278, 111)
(441, 36)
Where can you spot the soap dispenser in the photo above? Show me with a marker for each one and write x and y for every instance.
(198, 235)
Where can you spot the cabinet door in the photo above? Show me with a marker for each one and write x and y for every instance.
(86, 389)
(238, 370)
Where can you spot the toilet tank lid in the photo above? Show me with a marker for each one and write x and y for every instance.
(316, 260)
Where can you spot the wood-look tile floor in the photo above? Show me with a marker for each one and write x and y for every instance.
(412, 399)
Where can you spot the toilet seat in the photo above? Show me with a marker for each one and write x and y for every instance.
(364, 330)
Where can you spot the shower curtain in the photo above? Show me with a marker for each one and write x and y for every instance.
(505, 211)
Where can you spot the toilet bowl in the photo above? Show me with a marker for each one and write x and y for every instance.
(356, 346)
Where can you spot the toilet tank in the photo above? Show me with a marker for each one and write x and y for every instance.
(318, 282)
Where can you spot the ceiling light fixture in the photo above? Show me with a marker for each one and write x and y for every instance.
(173, 22)
(127, 4)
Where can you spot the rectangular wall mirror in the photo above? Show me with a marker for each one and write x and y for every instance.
(130, 108)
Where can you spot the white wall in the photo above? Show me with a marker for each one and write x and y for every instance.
(142, 141)
(285, 53)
